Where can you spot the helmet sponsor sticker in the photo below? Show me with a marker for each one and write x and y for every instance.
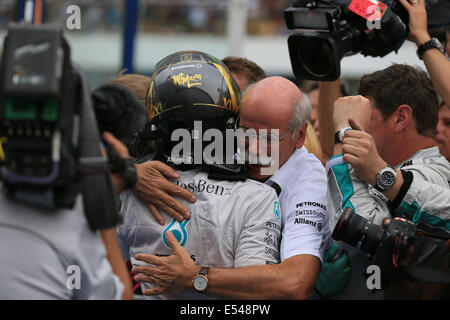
(188, 80)
(184, 66)
(187, 56)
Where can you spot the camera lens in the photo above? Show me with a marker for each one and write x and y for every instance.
(316, 57)
(358, 231)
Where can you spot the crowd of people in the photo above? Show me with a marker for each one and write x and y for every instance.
(206, 230)
(265, 17)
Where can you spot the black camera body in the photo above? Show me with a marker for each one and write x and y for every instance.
(386, 246)
(49, 141)
(39, 115)
(332, 29)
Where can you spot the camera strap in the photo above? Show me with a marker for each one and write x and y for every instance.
(100, 201)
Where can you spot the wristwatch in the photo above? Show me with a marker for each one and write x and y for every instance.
(433, 43)
(385, 178)
(200, 281)
(339, 136)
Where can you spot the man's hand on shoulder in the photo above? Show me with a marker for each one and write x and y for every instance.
(156, 191)
(152, 186)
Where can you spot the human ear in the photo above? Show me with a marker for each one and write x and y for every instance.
(403, 118)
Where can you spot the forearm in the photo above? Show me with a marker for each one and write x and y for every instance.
(118, 183)
(438, 67)
(244, 283)
(294, 278)
(116, 260)
(337, 149)
(256, 282)
(349, 191)
(329, 92)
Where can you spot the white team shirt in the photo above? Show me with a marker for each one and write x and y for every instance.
(303, 201)
(233, 224)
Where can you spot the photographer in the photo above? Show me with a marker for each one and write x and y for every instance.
(431, 51)
(42, 261)
(58, 206)
(386, 162)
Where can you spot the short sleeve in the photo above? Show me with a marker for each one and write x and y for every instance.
(306, 222)
(259, 237)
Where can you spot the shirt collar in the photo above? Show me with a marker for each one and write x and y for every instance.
(422, 153)
(284, 173)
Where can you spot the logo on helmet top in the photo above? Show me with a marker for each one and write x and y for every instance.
(186, 57)
(182, 79)
(184, 66)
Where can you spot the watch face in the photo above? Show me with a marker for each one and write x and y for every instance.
(387, 178)
(200, 282)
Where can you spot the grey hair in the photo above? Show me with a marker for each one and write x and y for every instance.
(301, 114)
(244, 93)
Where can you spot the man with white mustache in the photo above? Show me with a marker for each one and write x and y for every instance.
(272, 103)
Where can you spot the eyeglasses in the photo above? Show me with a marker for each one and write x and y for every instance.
(264, 137)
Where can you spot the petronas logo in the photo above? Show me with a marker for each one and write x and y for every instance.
(276, 210)
(179, 231)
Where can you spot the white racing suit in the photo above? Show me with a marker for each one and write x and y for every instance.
(424, 199)
(232, 224)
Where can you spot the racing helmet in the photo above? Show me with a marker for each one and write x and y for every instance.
(187, 88)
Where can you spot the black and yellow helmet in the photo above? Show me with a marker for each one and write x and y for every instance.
(189, 86)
